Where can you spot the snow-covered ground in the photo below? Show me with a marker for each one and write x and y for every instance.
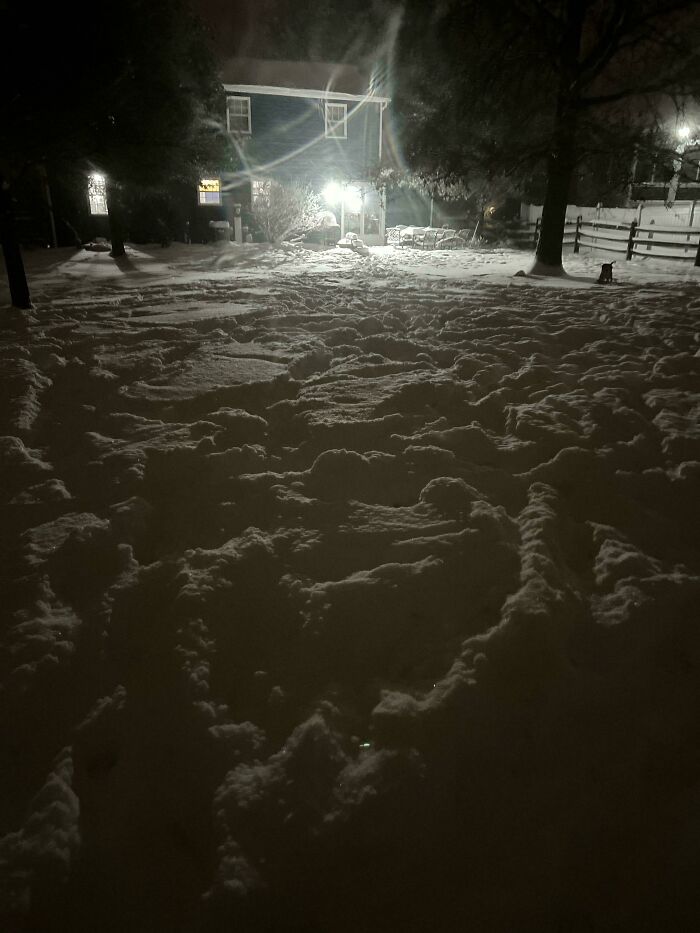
(349, 593)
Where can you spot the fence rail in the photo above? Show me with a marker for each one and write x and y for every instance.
(527, 232)
(634, 240)
(681, 231)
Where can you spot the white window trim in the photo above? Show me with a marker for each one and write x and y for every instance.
(338, 123)
(247, 132)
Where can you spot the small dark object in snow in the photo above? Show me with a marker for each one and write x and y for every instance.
(98, 245)
(521, 272)
(605, 277)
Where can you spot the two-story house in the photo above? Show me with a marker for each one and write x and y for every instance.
(314, 122)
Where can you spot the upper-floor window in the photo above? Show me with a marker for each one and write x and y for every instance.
(238, 114)
(337, 121)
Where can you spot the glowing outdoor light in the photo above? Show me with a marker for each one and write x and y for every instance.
(353, 199)
(97, 193)
(332, 193)
(349, 195)
(685, 141)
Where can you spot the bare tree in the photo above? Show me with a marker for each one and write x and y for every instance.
(609, 56)
(540, 92)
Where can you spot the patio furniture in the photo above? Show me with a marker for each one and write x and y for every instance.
(452, 242)
(429, 238)
(410, 236)
(393, 234)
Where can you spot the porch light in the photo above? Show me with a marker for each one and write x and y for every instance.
(353, 199)
(97, 194)
(332, 193)
(349, 196)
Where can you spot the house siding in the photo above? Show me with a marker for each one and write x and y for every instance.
(288, 139)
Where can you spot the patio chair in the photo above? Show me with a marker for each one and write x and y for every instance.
(444, 233)
(453, 242)
(429, 239)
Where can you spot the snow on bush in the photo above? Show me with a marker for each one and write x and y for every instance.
(285, 208)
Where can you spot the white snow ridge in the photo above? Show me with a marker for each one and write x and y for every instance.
(349, 593)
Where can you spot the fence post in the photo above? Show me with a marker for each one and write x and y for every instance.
(697, 255)
(630, 241)
(577, 235)
(650, 235)
(538, 224)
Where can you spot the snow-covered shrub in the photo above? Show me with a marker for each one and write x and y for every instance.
(285, 208)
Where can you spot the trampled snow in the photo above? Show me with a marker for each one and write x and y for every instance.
(350, 593)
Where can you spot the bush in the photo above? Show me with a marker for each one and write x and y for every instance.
(282, 209)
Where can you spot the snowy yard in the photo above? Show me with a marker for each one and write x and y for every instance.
(348, 594)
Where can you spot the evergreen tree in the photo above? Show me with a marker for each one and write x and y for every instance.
(133, 93)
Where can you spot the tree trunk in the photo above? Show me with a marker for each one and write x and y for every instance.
(44, 176)
(16, 277)
(116, 230)
(562, 158)
(559, 174)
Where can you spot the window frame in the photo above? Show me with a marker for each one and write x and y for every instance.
(219, 192)
(246, 98)
(337, 123)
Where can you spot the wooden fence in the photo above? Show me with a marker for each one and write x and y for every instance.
(632, 239)
(526, 233)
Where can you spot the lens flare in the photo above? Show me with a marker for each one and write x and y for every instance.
(332, 193)
(352, 199)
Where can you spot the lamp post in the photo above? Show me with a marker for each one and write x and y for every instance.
(685, 140)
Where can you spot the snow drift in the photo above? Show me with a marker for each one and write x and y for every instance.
(350, 593)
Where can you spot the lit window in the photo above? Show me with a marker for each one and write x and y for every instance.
(209, 191)
(238, 114)
(97, 194)
(337, 121)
